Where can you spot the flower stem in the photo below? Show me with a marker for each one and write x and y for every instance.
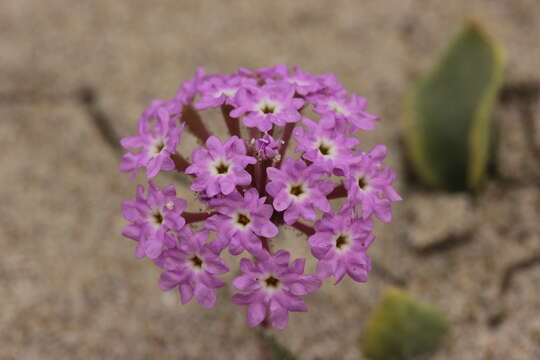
(266, 245)
(254, 169)
(195, 123)
(308, 230)
(259, 172)
(254, 133)
(192, 217)
(264, 177)
(179, 162)
(233, 124)
(338, 192)
(285, 142)
(264, 349)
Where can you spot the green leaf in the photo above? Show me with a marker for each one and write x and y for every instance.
(272, 348)
(448, 130)
(400, 328)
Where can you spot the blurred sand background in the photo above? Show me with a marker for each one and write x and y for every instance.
(70, 287)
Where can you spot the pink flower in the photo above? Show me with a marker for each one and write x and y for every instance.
(221, 89)
(267, 74)
(158, 143)
(266, 147)
(268, 105)
(369, 185)
(297, 189)
(340, 244)
(273, 288)
(240, 221)
(349, 109)
(189, 89)
(303, 82)
(328, 148)
(331, 85)
(153, 218)
(192, 267)
(220, 167)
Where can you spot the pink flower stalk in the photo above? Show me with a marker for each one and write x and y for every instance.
(249, 183)
(273, 288)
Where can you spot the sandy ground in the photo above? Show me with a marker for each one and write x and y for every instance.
(70, 287)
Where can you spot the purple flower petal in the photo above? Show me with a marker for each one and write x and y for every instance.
(255, 314)
(205, 296)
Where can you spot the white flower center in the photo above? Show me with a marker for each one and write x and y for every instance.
(156, 218)
(195, 263)
(157, 147)
(338, 108)
(220, 167)
(326, 148)
(241, 220)
(297, 190)
(342, 242)
(362, 183)
(228, 92)
(271, 283)
(299, 82)
(267, 106)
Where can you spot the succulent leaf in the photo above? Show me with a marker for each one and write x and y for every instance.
(448, 114)
(400, 328)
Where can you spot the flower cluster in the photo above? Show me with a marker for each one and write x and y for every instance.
(326, 186)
